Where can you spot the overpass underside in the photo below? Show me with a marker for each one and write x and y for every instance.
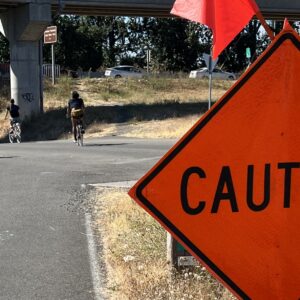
(119, 9)
(275, 9)
(271, 9)
(96, 11)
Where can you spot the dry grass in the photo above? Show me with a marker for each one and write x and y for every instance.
(4, 101)
(169, 128)
(148, 90)
(110, 91)
(127, 107)
(4, 126)
(56, 96)
(134, 246)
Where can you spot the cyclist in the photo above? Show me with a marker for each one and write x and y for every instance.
(76, 112)
(13, 110)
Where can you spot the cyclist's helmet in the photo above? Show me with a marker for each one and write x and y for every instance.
(75, 95)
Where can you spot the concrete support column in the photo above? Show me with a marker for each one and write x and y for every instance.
(24, 27)
(25, 78)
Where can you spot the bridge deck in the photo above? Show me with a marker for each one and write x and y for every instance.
(276, 9)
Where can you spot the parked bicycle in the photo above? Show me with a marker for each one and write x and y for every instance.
(14, 134)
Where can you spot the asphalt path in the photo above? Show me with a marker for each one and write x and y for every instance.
(44, 250)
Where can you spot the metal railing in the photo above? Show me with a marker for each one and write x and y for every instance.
(47, 70)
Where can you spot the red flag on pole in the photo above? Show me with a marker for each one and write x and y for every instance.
(226, 18)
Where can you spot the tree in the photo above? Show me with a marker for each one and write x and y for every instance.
(4, 49)
(233, 58)
(68, 44)
(90, 33)
(175, 43)
(79, 43)
(115, 31)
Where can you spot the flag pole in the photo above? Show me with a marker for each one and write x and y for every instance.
(265, 25)
(210, 79)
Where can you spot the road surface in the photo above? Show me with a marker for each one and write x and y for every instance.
(44, 249)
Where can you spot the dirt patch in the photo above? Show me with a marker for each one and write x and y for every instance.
(170, 128)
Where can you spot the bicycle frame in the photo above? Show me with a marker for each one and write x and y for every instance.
(14, 134)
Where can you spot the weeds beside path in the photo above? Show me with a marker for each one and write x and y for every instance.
(134, 251)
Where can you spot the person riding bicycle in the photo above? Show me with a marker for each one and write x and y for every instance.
(75, 111)
(13, 110)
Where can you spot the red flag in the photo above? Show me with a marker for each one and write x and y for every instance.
(226, 18)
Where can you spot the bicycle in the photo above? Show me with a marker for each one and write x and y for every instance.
(79, 133)
(14, 134)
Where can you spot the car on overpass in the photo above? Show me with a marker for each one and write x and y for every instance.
(124, 71)
(217, 74)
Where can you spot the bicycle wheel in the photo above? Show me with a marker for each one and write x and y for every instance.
(80, 135)
(18, 138)
(17, 130)
(11, 137)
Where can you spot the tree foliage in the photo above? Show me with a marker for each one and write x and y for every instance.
(4, 49)
(234, 56)
(176, 43)
(79, 43)
(90, 43)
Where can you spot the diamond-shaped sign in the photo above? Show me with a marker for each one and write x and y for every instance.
(229, 190)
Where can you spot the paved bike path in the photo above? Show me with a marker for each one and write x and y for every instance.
(43, 243)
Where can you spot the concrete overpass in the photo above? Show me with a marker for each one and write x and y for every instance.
(24, 21)
(159, 8)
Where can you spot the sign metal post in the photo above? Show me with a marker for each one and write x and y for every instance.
(210, 63)
(50, 37)
(53, 64)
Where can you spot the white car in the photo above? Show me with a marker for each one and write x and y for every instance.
(217, 74)
(124, 71)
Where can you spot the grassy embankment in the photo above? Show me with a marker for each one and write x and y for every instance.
(112, 104)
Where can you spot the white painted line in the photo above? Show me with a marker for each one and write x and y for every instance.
(47, 173)
(95, 270)
(119, 184)
(132, 161)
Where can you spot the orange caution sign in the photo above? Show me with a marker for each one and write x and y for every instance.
(229, 190)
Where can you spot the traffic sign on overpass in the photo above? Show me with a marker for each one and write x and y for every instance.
(228, 190)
